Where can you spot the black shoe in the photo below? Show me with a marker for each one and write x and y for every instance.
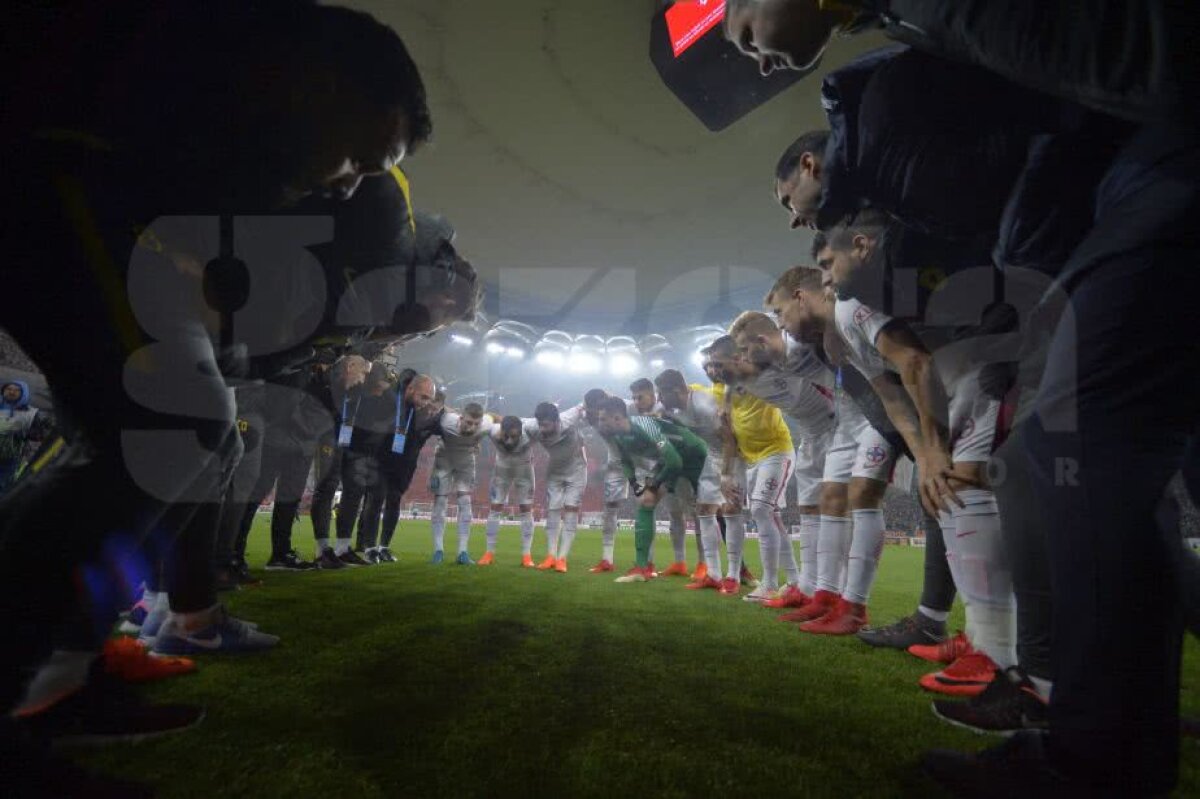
(291, 562)
(386, 556)
(1008, 705)
(1017, 767)
(328, 560)
(909, 631)
(106, 710)
(245, 578)
(352, 558)
(227, 578)
(372, 556)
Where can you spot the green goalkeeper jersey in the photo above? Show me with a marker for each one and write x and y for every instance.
(663, 448)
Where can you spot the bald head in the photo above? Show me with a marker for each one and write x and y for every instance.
(420, 392)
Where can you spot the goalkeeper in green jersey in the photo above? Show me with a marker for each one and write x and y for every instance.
(669, 454)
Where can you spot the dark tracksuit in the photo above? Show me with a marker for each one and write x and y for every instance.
(231, 540)
(397, 472)
(373, 421)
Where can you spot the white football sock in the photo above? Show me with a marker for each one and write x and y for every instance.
(678, 534)
(322, 545)
(464, 523)
(1044, 687)
(437, 522)
(832, 540)
(64, 673)
(342, 547)
(553, 517)
(149, 598)
(810, 528)
(986, 579)
(787, 553)
(768, 542)
(710, 533)
(930, 613)
(570, 524)
(608, 533)
(735, 541)
(526, 532)
(493, 530)
(865, 550)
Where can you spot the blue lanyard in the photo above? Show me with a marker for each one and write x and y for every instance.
(399, 406)
(346, 407)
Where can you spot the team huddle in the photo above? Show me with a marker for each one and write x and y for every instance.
(826, 391)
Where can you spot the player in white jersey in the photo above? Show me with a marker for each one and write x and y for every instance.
(566, 478)
(950, 426)
(453, 473)
(616, 487)
(698, 410)
(512, 481)
(841, 495)
(643, 402)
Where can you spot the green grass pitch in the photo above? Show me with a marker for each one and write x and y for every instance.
(410, 680)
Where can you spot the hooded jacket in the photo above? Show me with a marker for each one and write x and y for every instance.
(19, 423)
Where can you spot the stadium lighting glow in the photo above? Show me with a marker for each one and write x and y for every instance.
(622, 364)
(515, 352)
(698, 358)
(657, 363)
(584, 363)
(465, 341)
(551, 358)
(495, 348)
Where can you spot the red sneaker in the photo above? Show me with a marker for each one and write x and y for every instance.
(602, 566)
(947, 651)
(706, 582)
(730, 586)
(822, 603)
(748, 578)
(791, 597)
(846, 618)
(127, 659)
(676, 569)
(967, 676)
(701, 571)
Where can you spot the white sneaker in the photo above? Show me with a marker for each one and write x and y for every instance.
(761, 593)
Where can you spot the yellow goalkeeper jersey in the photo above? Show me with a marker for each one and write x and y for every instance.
(758, 426)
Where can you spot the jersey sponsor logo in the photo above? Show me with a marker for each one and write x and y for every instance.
(862, 315)
(875, 455)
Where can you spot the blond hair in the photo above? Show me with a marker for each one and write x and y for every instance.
(752, 323)
(798, 278)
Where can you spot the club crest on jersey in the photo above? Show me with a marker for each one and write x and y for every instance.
(771, 483)
(875, 455)
(862, 315)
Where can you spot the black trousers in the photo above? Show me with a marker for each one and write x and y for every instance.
(360, 474)
(937, 591)
(1114, 418)
(397, 477)
(231, 533)
(285, 467)
(328, 465)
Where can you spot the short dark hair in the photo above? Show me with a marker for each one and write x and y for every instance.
(473, 409)
(820, 242)
(546, 412)
(723, 346)
(814, 142)
(870, 222)
(641, 384)
(510, 423)
(615, 406)
(375, 58)
(670, 379)
(439, 396)
(594, 397)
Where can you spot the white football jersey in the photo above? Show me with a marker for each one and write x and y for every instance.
(565, 447)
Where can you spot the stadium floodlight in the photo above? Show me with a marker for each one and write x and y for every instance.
(496, 348)
(584, 363)
(698, 358)
(461, 340)
(515, 352)
(623, 364)
(553, 359)
(657, 363)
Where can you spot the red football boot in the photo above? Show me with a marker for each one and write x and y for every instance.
(947, 651)
(790, 597)
(701, 584)
(701, 571)
(730, 586)
(748, 578)
(967, 676)
(846, 618)
(602, 566)
(822, 603)
(676, 569)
